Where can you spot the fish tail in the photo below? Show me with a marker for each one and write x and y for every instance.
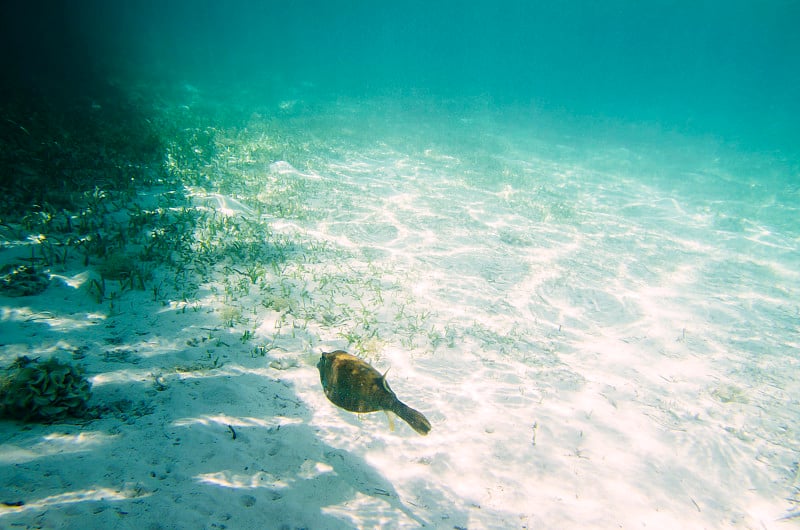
(413, 417)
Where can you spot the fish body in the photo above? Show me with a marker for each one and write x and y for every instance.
(354, 385)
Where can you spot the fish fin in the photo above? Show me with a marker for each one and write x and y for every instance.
(391, 420)
(383, 381)
(414, 418)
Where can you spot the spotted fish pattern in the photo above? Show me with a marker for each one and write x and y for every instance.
(354, 385)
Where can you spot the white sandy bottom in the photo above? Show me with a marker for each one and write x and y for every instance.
(591, 353)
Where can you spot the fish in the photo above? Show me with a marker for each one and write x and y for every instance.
(354, 385)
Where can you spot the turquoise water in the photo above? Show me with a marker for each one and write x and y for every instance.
(569, 231)
(724, 69)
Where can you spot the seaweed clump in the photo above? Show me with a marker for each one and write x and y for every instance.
(22, 280)
(43, 392)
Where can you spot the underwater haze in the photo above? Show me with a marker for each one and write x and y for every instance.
(727, 69)
(566, 233)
